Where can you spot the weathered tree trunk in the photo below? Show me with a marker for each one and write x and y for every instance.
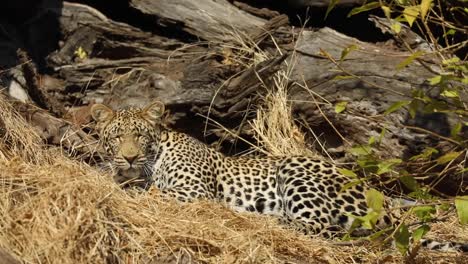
(207, 19)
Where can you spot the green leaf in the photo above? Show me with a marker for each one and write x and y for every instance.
(425, 7)
(451, 61)
(420, 193)
(368, 163)
(410, 59)
(375, 200)
(409, 182)
(396, 27)
(402, 237)
(456, 129)
(331, 5)
(461, 203)
(395, 106)
(435, 80)
(424, 212)
(347, 173)
(364, 8)
(449, 93)
(420, 232)
(387, 11)
(347, 50)
(403, 2)
(421, 95)
(462, 67)
(371, 141)
(413, 108)
(340, 107)
(426, 154)
(378, 234)
(387, 165)
(368, 221)
(81, 53)
(400, 19)
(450, 32)
(436, 106)
(410, 13)
(343, 77)
(360, 150)
(445, 207)
(448, 157)
(350, 184)
(382, 134)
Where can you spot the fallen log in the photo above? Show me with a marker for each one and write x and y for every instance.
(207, 19)
(60, 132)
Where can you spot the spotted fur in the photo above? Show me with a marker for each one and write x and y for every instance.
(304, 192)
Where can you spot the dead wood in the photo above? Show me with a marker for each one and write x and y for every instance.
(367, 78)
(201, 18)
(60, 132)
(239, 90)
(125, 66)
(309, 3)
(260, 12)
(38, 87)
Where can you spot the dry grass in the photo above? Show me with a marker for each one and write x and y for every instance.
(65, 212)
(274, 127)
(21, 138)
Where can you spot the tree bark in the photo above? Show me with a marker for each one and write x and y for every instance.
(207, 19)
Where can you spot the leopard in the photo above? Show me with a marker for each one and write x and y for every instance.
(307, 193)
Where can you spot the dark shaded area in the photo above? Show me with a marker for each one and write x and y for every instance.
(28, 25)
(121, 11)
(17, 12)
(434, 122)
(357, 26)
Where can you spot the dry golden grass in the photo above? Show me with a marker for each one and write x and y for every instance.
(21, 138)
(274, 128)
(65, 212)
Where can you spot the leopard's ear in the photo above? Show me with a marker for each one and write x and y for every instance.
(153, 112)
(101, 113)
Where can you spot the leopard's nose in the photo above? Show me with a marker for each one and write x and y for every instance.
(131, 159)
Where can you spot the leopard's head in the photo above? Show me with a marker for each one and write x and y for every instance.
(131, 136)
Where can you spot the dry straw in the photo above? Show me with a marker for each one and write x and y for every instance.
(274, 127)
